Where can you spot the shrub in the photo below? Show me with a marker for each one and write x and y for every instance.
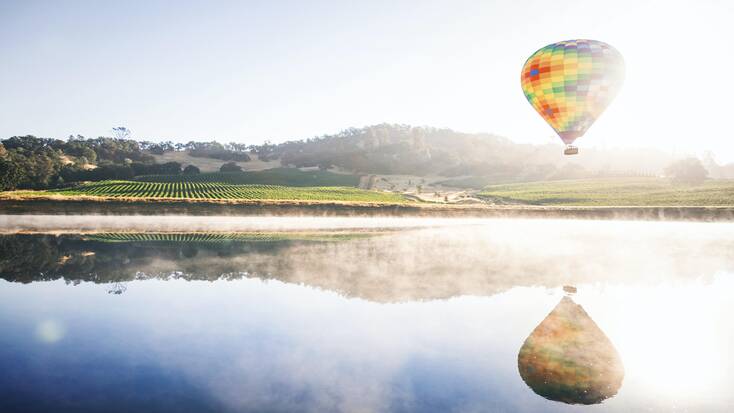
(191, 170)
(230, 167)
(687, 171)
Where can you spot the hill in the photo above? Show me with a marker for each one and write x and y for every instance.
(397, 156)
(206, 164)
(405, 150)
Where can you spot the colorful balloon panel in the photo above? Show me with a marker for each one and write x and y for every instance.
(570, 83)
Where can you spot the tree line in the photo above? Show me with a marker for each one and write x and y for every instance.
(475, 159)
(29, 162)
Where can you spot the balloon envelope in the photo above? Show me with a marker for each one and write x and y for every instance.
(567, 358)
(570, 83)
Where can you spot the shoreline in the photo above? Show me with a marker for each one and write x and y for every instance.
(187, 207)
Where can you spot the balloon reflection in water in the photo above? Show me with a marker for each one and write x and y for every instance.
(567, 358)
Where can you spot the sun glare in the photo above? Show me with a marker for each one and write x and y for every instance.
(669, 337)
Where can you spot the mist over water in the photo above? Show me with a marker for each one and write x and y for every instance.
(353, 314)
(397, 259)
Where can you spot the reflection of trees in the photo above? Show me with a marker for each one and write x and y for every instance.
(567, 358)
(117, 288)
(28, 258)
(377, 266)
(189, 251)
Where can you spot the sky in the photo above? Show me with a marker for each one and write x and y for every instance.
(279, 70)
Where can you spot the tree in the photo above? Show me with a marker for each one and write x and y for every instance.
(89, 154)
(230, 167)
(110, 171)
(238, 147)
(121, 132)
(715, 170)
(191, 170)
(156, 149)
(167, 146)
(10, 176)
(169, 168)
(686, 171)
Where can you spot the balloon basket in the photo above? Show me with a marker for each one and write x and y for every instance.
(571, 150)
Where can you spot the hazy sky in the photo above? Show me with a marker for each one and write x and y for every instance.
(249, 71)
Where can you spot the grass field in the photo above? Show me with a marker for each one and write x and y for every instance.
(211, 190)
(275, 176)
(615, 192)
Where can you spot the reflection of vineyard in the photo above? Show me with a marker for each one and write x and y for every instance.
(224, 190)
(223, 238)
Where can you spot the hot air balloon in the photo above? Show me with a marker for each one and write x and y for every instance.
(567, 358)
(570, 83)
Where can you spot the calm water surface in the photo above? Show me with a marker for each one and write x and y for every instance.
(366, 315)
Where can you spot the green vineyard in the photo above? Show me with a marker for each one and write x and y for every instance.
(223, 190)
(615, 192)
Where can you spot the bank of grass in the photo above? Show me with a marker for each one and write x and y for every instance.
(214, 191)
(614, 192)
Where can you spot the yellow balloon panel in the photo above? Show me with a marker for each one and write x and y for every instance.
(571, 83)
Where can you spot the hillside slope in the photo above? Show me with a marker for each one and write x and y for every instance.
(211, 164)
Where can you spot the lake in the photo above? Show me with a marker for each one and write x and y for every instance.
(227, 314)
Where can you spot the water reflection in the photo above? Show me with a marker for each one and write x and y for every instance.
(567, 358)
(426, 320)
(115, 258)
(380, 265)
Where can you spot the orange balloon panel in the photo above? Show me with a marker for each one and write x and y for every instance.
(570, 83)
